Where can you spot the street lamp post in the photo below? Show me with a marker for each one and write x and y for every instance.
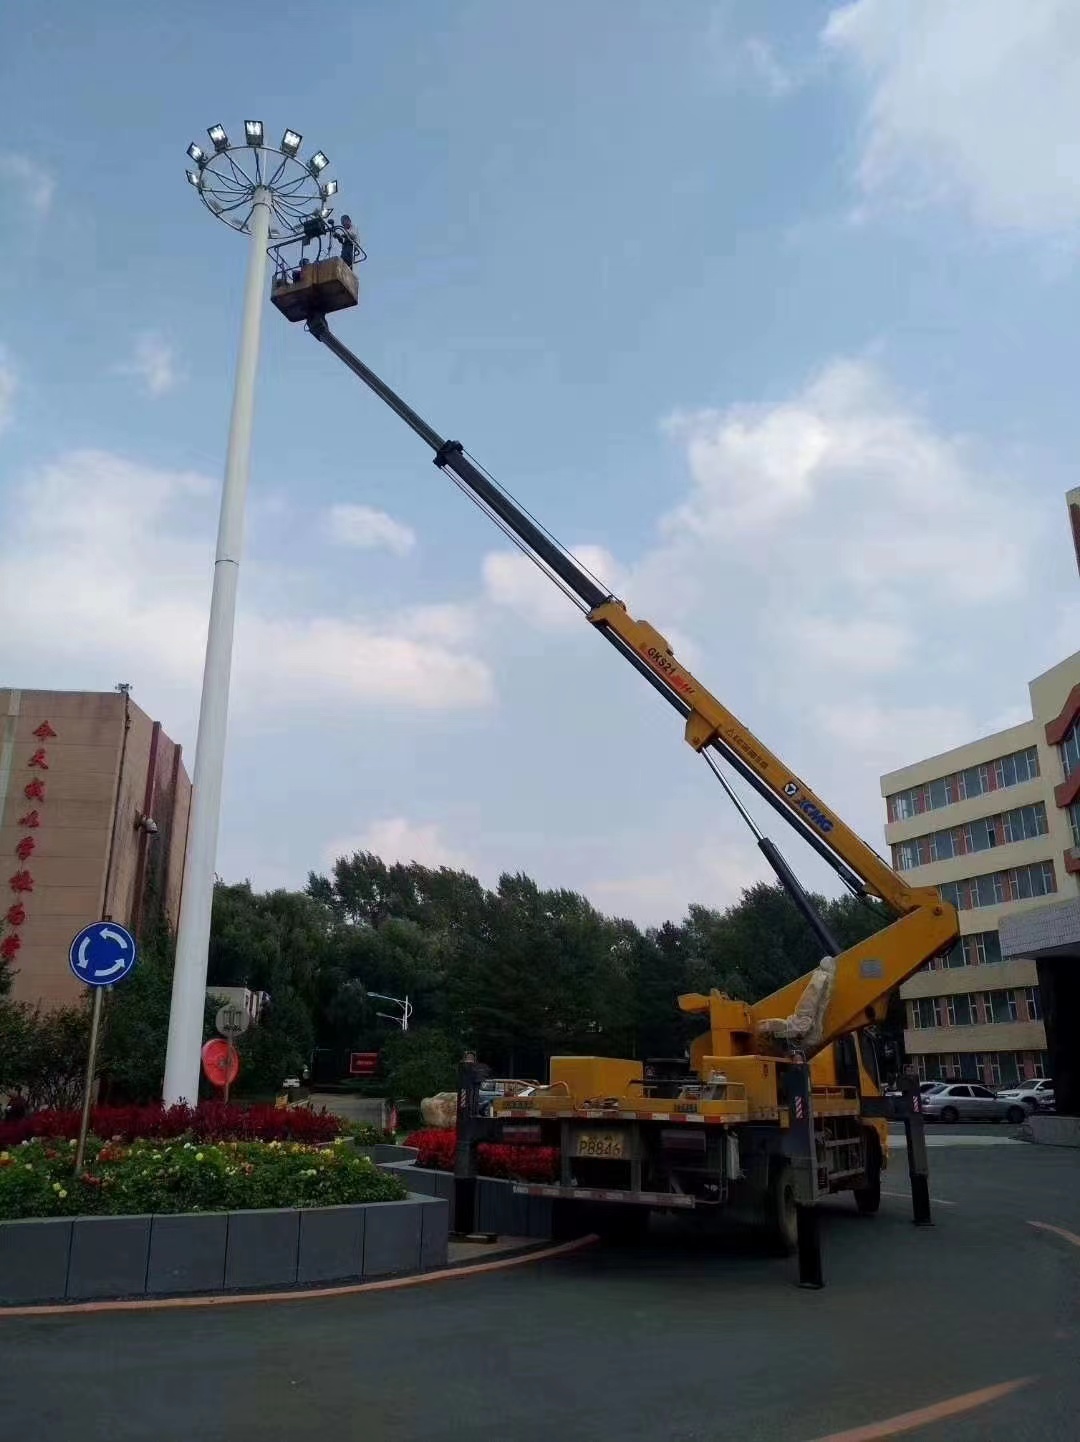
(265, 192)
(402, 1001)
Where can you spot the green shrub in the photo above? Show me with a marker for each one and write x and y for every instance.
(37, 1178)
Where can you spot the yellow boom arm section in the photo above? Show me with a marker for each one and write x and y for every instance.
(865, 973)
(852, 994)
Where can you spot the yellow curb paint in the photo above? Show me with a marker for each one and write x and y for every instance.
(923, 1416)
(1057, 1231)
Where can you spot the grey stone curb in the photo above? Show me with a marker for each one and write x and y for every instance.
(78, 1259)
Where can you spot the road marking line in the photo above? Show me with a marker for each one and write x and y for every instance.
(922, 1416)
(1058, 1231)
(160, 1304)
(903, 1197)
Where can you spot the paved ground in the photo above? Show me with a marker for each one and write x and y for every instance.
(674, 1342)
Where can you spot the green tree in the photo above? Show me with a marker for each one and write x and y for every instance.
(419, 1063)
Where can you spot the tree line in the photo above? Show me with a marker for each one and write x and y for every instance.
(516, 972)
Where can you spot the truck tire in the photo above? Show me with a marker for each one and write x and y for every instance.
(868, 1196)
(781, 1216)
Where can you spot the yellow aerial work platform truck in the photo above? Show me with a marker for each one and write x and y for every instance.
(780, 1101)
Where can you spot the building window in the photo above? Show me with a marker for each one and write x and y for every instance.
(980, 948)
(969, 1067)
(993, 1067)
(1002, 1006)
(992, 888)
(1070, 748)
(1038, 1064)
(950, 1066)
(1074, 822)
(926, 1011)
(1022, 823)
(960, 1010)
(1011, 770)
(1033, 1002)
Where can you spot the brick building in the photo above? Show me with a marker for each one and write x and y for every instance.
(94, 802)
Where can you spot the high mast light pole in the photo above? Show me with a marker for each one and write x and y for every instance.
(266, 192)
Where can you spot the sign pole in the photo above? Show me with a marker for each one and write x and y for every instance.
(88, 1086)
(228, 1068)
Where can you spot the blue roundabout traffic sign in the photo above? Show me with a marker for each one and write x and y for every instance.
(102, 954)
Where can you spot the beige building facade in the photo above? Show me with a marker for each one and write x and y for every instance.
(995, 827)
(94, 802)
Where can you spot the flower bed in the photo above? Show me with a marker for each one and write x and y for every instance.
(208, 1122)
(160, 1176)
(521, 1164)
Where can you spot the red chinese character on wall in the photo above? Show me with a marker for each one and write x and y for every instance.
(15, 915)
(34, 790)
(38, 759)
(30, 820)
(9, 946)
(44, 732)
(26, 848)
(21, 881)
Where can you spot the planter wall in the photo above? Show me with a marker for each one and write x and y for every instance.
(94, 1258)
(499, 1208)
(1051, 1131)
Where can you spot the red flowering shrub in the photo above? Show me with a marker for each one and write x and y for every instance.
(520, 1164)
(208, 1122)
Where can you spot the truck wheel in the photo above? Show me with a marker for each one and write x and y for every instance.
(949, 1114)
(781, 1216)
(868, 1196)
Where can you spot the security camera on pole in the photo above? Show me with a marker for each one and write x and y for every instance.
(265, 192)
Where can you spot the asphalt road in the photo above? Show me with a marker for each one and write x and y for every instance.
(675, 1340)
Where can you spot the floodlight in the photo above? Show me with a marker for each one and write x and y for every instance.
(329, 189)
(194, 178)
(196, 153)
(218, 136)
(290, 142)
(319, 161)
(253, 130)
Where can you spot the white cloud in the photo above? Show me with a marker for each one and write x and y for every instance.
(848, 481)
(153, 364)
(8, 386)
(35, 186)
(368, 529)
(765, 69)
(512, 580)
(144, 615)
(977, 100)
(851, 644)
(886, 737)
(716, 874)
(396, 839)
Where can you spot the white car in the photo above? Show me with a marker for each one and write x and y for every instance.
(1037, 1095)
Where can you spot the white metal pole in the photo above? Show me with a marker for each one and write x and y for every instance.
(182, 1059)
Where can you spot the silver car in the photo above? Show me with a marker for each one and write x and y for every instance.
(970, 1102)
(1037, 1095)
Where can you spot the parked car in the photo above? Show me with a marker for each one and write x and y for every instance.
(493, 1087)
(970, 1102)
(1037, 1094)
(924, 1087)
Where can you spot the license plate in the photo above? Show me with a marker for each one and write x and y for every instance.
(600, 1144)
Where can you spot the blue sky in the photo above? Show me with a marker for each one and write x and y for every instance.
(772, 308)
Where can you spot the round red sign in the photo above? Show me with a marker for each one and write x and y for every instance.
(220, 1062)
